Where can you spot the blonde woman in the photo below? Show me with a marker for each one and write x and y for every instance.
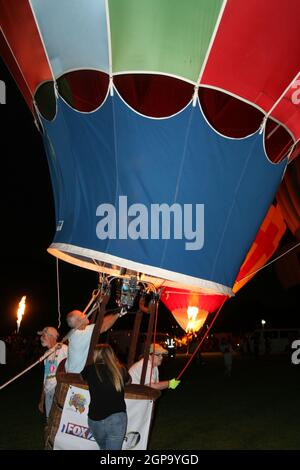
(107, 416)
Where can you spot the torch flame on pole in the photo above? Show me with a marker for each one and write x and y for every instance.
(21, 310)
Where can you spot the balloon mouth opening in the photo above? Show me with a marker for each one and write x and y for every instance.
(113, 266)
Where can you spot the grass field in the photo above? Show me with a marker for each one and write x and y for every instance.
(257, 408)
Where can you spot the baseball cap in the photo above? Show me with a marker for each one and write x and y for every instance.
(49, 330)
(157, 349)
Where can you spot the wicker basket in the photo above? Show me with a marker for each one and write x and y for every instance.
(64, 380)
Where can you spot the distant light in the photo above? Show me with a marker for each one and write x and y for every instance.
(263, 322)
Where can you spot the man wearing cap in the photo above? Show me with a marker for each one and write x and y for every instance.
(80, 338)
(49, 336)
(157, 353)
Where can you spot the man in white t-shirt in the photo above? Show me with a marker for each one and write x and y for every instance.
(157, 353)
(80, 338)
(49, 336)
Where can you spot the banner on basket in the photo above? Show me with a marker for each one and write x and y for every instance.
(74, 434)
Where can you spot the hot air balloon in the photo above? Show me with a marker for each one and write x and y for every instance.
(156, 149)
(167, 125)
(156, 119)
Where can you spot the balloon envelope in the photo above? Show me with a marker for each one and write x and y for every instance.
(147, 174)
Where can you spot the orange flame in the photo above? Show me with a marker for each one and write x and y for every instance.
(192, 313)
(196, 319)
(21, 310)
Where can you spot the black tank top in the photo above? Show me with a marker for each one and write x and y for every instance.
(105, 400)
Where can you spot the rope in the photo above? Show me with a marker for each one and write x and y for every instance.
(57, 346)
(201, 341)
(245, 277)
(154, 340)
(272, 261)
(58, 295)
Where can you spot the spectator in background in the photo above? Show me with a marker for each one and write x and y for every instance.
(192, 347)
(227, 351)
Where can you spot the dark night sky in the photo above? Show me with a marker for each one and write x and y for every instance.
(27, 228)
